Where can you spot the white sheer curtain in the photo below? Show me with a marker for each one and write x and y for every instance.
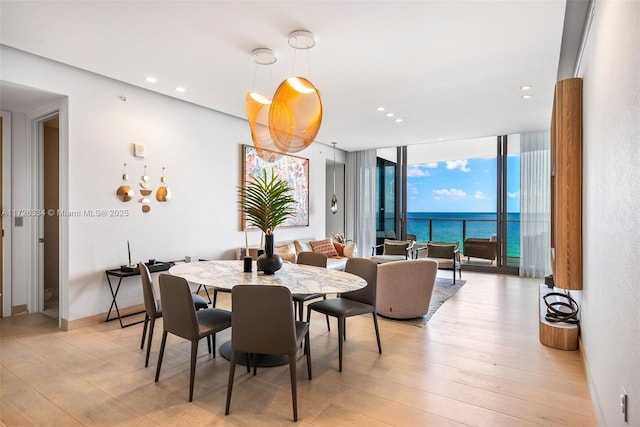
(360, 200)
(535, 204)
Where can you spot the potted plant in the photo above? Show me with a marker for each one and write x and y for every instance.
(266, 203)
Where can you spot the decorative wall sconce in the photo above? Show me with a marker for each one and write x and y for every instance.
(124, 192)
(146, 203)
(163, 194)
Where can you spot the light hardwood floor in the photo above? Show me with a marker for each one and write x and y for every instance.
(477, 362)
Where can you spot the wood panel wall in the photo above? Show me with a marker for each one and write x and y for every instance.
(566, 184)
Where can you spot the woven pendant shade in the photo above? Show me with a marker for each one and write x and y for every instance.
(295, 115)
(258, 118)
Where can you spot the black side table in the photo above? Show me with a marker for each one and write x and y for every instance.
(121, 274)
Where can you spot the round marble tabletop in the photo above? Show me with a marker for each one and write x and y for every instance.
(300, 279)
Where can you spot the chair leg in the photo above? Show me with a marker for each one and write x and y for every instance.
(324, 297)
(215, 297)
(164, 341)
(192, 370)
(375, 324)
(341, 324)
(300, 310)
(307, 351)
(144, 330)
(206, 292)
(209, 343)
(294, 385)
(454, 275)
(153, 323)
(232, 370)
(248, 357)
(255, 365)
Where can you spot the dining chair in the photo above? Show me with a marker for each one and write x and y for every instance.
(263, 323)
(316, 259)
(153, 310)
(354, 303)
(180, 318)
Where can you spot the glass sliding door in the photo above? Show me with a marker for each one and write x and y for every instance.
(467, 192)
(386, 214)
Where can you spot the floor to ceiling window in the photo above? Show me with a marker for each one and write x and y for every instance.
(386, 214)
(461, 191)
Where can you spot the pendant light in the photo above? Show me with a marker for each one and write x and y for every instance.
(334, 199)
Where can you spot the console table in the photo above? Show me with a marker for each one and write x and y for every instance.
(119, 273)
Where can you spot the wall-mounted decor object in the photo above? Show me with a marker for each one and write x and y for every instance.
(124, 192)
(163, 194)
(294, 170)
(146, 202)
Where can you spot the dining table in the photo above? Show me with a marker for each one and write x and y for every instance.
(298, 278)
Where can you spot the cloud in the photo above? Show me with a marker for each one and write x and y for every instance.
(431, 165)
(480, 195)
(463, 165)
(417, 171)
(451, 193)
(514, 195)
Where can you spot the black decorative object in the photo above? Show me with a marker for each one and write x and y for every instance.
(247, 264)
(269, 262)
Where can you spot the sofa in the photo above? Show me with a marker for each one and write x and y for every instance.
(477, 247)
(337, 253)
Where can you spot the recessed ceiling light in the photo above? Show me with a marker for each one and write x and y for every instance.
(389, 114)
(380, 108)
(526, 96)
(525, 87)
(398, 120)
(180, 89)
(151, 79)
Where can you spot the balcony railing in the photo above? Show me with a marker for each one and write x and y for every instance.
(458, 229)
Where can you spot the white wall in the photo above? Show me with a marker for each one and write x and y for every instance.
(200, 149)
(611, 209)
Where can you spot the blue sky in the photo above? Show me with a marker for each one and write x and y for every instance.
(461, 186)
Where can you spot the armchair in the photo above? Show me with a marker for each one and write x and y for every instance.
(446, 253)
(393, 250)
(477, 247)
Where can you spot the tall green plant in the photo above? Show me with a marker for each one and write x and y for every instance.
(266, 202)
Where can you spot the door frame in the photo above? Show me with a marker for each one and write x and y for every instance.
(7, 220)
(35, 275)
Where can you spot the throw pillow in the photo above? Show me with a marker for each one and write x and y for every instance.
(395, 248)
(324, 247)
(350, 250)
(339, 248)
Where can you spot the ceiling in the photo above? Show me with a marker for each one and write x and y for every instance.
(449, 69)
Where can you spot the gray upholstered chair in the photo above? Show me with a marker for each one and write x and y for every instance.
(180, 318)
(405, 287)
(446, 253)
(315, 259)
(352, 303)
(393, 250)
(263, 323)
(153, 310)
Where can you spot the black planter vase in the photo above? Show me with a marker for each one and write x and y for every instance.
(269, 262)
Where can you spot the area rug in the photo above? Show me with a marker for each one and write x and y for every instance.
(442, 291)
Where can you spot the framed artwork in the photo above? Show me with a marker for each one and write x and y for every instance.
(294, 170)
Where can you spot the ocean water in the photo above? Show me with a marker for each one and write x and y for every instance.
(448, 227)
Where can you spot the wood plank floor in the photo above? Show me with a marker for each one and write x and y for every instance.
(477, 362)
